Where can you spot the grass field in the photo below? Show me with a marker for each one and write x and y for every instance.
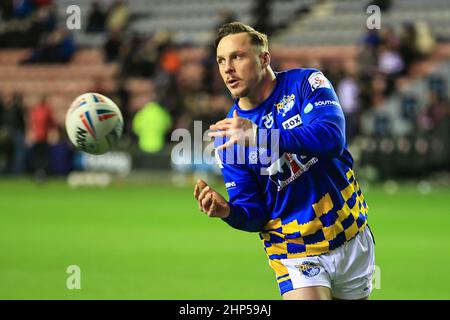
(151, 242)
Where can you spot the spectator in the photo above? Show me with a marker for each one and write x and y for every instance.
(391, 65)
(122, 97)
(371, 39)
(127, 56)
(150, 124)
(139, 57)
(58, 47)
(112, 46)
(348, 93)
(41, 123)
(261, 13)
(367, 60)
(379, 85)
(408, 40)
(6, 9)
(167, 71)
(42, 3)
(439, 85)
(390, 61)
(6, 143)
(46, 21)
(436, 110)
(426, 42)
(333, 69)
(23, 8)
(168, 57)
(26, 31)
(169, 60)
(118, 16)
(96, 19)
(61, 153)
(147, 58)
(389, 38)
(12, 124)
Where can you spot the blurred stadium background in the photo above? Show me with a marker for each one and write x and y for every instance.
(128, 218)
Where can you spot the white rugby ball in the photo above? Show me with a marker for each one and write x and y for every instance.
(94, 123)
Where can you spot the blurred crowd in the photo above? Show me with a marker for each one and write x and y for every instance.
(385, 57)
(30, 140)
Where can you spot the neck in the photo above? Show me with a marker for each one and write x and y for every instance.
(261, 92)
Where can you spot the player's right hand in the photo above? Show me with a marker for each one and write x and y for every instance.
(239, 131)
(210, 201)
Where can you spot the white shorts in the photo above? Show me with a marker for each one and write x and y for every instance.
(347, 270)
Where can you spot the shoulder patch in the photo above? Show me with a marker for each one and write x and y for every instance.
(317, 80)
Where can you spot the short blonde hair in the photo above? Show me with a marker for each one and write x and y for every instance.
(258, 39)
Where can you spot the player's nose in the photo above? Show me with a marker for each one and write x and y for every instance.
(228, 67)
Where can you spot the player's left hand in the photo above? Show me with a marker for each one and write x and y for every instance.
(240, 130)
(210, 201)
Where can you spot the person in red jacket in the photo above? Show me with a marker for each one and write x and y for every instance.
(41, 123)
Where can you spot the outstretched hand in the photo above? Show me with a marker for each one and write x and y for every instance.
(239, 130)
(210, 201)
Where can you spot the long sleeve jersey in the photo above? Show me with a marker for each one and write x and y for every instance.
(303, 197)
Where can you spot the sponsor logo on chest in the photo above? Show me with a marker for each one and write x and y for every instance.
(292, 122)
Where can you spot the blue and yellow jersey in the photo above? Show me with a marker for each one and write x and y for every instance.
(305, 201)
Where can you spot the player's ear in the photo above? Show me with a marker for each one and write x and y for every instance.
(265, 59)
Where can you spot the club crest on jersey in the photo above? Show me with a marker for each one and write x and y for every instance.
(309, 269)
(286, 104)
(317, 80)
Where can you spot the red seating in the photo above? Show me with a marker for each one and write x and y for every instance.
(12, 56)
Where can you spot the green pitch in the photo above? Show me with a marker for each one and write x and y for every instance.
(151, 242)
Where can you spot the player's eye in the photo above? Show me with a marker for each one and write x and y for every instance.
(239, 56)
(220, 61)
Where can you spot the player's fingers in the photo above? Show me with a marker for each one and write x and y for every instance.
(196, 191)
(217, 134)
(212, 208)
(202, 195)
(227, 144)
(206, 202)
(226, 121)
(220, 126)
(201, 183)
(198, 187)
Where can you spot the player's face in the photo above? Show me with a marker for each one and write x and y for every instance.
(239, 64)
